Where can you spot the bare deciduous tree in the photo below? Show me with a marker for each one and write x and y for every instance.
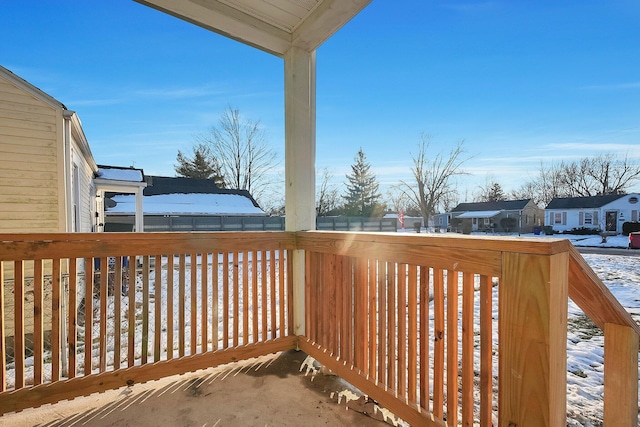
(240, 146)
(398, 200)
(434, 177)
(589, 176)
(491, 191)
(327, 196)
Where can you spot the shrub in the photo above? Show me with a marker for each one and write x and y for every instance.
(508, 223)
(583, 231)
(630, 227)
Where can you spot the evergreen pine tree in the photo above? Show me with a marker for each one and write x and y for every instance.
(362, 194)
(201, 165)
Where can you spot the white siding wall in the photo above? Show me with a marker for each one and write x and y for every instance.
(86, 191)
(29, 174)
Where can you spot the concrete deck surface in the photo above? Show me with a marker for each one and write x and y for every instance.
(267, 391)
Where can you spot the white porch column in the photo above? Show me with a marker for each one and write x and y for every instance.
(300, 159)
(139, 211)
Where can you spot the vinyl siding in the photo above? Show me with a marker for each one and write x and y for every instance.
(29, 162)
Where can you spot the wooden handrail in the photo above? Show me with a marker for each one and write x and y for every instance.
(345, 273)
(593, 297)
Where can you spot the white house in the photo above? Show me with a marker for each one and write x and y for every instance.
(606, 213)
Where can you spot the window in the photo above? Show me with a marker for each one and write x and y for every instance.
(557, 218)
(487, 221)
(633, 200)
(588, 218)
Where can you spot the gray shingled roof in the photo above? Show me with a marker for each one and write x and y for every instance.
(158, 185)
(582, 202)
(507, 205)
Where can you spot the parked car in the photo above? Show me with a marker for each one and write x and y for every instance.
(634, 240)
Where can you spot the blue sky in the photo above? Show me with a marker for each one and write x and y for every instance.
(519, 81)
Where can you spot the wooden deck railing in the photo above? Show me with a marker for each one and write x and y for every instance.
(132, 307)
(411, 321)
(440, 330)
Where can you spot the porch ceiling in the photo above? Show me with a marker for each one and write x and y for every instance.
(270, 25)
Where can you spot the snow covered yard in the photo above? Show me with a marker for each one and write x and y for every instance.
(586, 342)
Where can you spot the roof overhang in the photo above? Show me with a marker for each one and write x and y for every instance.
(131, 187)
(479, 214)
(270, 25)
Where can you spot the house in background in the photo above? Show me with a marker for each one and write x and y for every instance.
(489, 216)
(606, 213)
(441, 221)
(46, 166)
(187, 204)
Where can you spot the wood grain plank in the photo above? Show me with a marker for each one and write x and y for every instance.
(290, 313)
(193, 299)
(38, 322)
(412, 343)
(282, 301)
(89, 278)
(272, 293)
(182, 295)
(620, 376)
(104, 294)
(263, 290)
(245, 298)
(157, 297)
(18, 322)
(373, 318)
(56, 319)
(255, 311)
(382, 320)
(225, 300)
(392, 300)
(215, 293)
(117, 311)
(170, 301)
(532, 320)
(131, 319)
(467, 349)
(452, 347)
(204, 302)
(486, 352)
(402, 331)
(145, 310)
(423, 349)
(73, 318)
(439, 342)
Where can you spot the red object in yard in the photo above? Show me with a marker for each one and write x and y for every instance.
(634, 240)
